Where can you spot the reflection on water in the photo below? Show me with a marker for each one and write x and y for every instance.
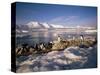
(45, 36)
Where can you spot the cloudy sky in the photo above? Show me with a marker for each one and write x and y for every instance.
(56, 14)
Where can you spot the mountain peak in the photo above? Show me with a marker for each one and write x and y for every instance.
(33, 24)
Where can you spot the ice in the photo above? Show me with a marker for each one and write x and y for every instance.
(70, 58)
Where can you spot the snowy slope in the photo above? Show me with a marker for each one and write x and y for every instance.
(70, 58)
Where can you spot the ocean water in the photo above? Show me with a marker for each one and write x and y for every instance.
(45, 37)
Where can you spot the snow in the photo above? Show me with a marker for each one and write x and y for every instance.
(57, 26)
(18, 31)
(45, 25)
(24, 31)
(33, 24)
(70, 58)
(91, 31)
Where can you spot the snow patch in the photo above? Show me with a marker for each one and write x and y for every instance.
(70, 58)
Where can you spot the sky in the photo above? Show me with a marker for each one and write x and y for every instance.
(66, 15)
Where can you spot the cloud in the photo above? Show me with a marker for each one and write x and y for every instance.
(63, 19)
(71, 18)
(57, 19)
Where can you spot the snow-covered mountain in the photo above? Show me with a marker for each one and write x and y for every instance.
(46, 25)
(57, 26)
(38, 26)
(22, 29)
(34, 24)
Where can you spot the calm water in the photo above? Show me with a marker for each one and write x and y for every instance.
(38, 37)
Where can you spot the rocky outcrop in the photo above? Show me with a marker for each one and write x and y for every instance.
(48, 47)
(24, 50)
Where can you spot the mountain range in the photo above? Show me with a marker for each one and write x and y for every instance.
(36, 26)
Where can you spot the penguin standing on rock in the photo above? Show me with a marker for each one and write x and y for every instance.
(82, 39)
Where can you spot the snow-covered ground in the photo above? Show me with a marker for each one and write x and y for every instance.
(70, 58)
